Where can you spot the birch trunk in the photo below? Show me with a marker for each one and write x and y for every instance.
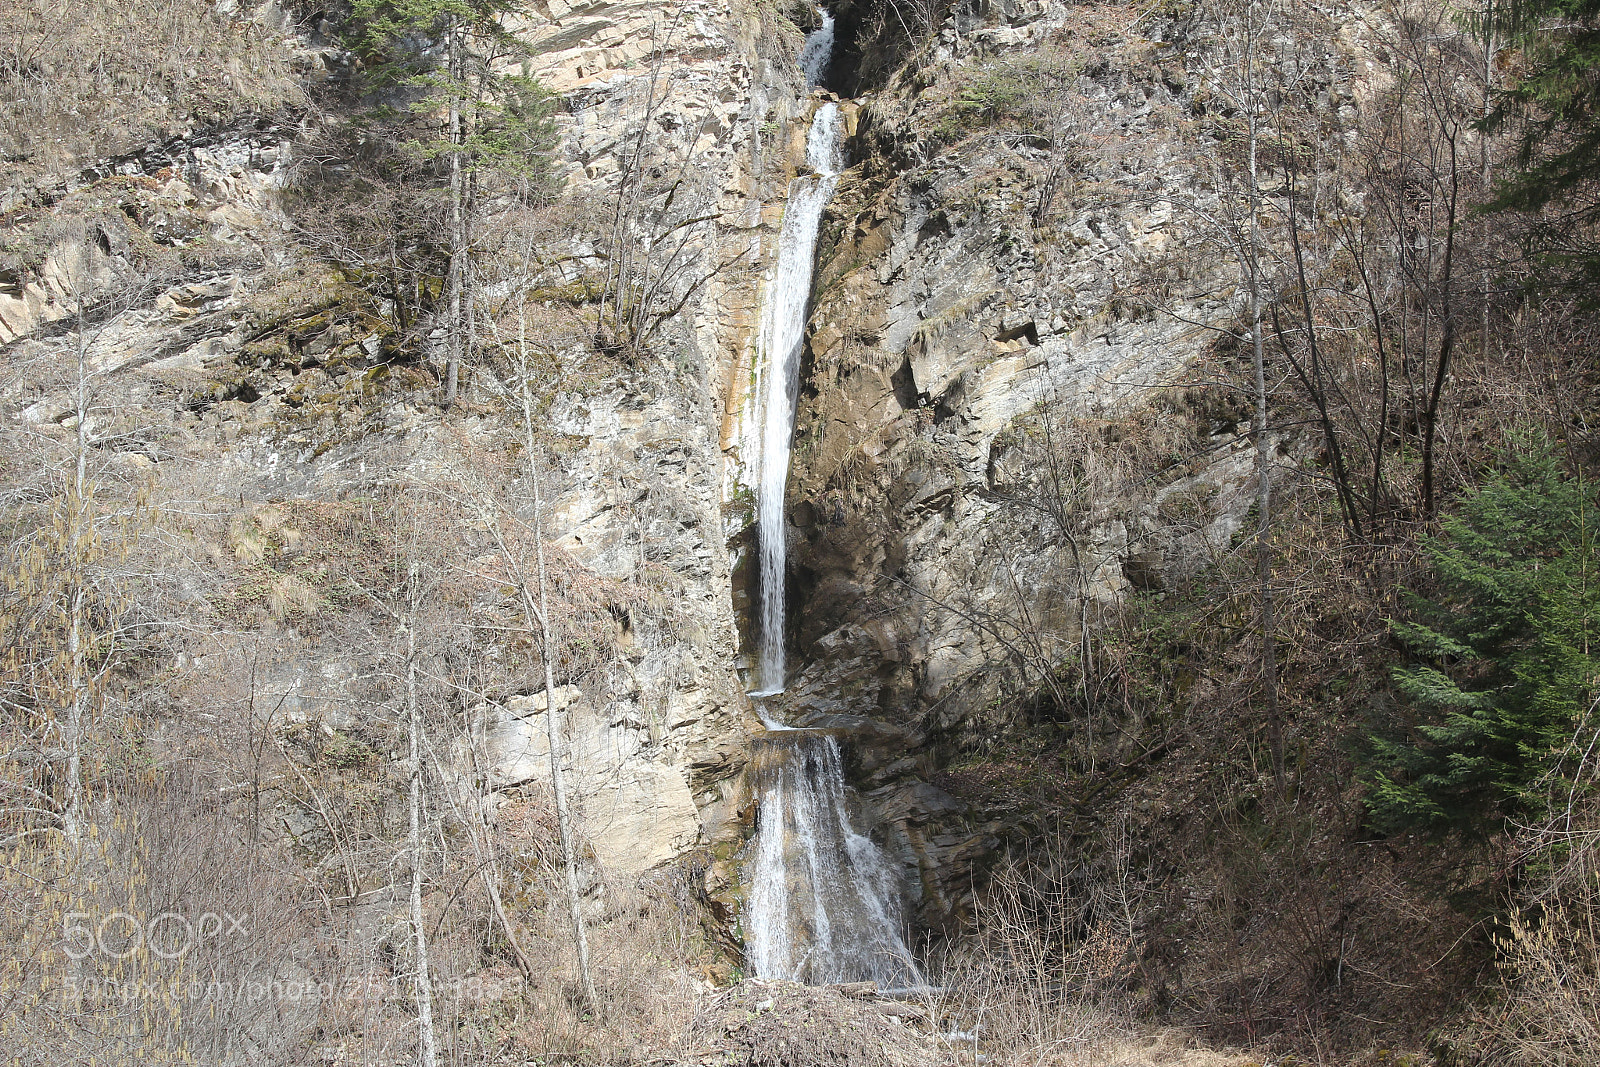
(427, 1045)
(1263, 460)
(558, 784)
(78, 518)
(452, 370)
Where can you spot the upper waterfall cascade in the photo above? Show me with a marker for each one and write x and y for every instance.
(783, 330)
(818, 50)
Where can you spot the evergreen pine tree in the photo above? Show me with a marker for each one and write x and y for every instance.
(1504, 666)
(1556, 101)
(443, 65)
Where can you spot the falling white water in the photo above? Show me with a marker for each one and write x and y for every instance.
(783, 327)
(818, 50)
(824, 900)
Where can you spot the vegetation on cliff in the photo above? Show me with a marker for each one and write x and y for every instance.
(1383, 783)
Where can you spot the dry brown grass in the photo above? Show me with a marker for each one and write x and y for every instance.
(120, 951)
(779, 1024)
(1159, 1048)
(1038, 981)
(1550, 952)
(82, 80)
(786, 1025)
(1552, 1018)
(643, 942)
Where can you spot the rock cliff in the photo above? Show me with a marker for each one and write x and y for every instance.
(994, 288)
(1009, 422)
(237, 372)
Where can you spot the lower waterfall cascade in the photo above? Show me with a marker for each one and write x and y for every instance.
(824, 899)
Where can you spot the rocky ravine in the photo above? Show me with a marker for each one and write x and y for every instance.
(963, 335)
(943, 317)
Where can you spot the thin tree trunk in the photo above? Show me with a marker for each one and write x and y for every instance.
(1447, 340)
(427, 1051)
(491, 882)
(1269, 645)
(1269, 649)
(1379, 507)
(77, 668)
(72, 820)
(569, 859)
(469, 304)
(457, 246)
(1488, 174)
(539, 609)
(487, 855)
(1312, 378)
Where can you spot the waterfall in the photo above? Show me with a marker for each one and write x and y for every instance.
(783, 329)
(823, 903)
(818, 50)
(824, 900)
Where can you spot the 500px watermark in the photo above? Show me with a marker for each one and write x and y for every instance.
(168, 935)
(254, 990)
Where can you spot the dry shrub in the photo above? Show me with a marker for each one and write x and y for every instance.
(1041, 978)
(1281, 920)
(1551, 953)
(90, 79)
(163, 936)
(642, 944)
(1053, 970)
(1554, 1012)
(1162, 1048)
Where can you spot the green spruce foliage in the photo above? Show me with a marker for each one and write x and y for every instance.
(1504, 667)
(457, 76)
(1556, 103)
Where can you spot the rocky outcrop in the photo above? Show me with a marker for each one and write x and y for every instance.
(1015, 411)
(241, 374)
(961, 326)
(217, 186)
(956, 315)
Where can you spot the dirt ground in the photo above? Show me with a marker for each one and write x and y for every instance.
(779, 1024)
